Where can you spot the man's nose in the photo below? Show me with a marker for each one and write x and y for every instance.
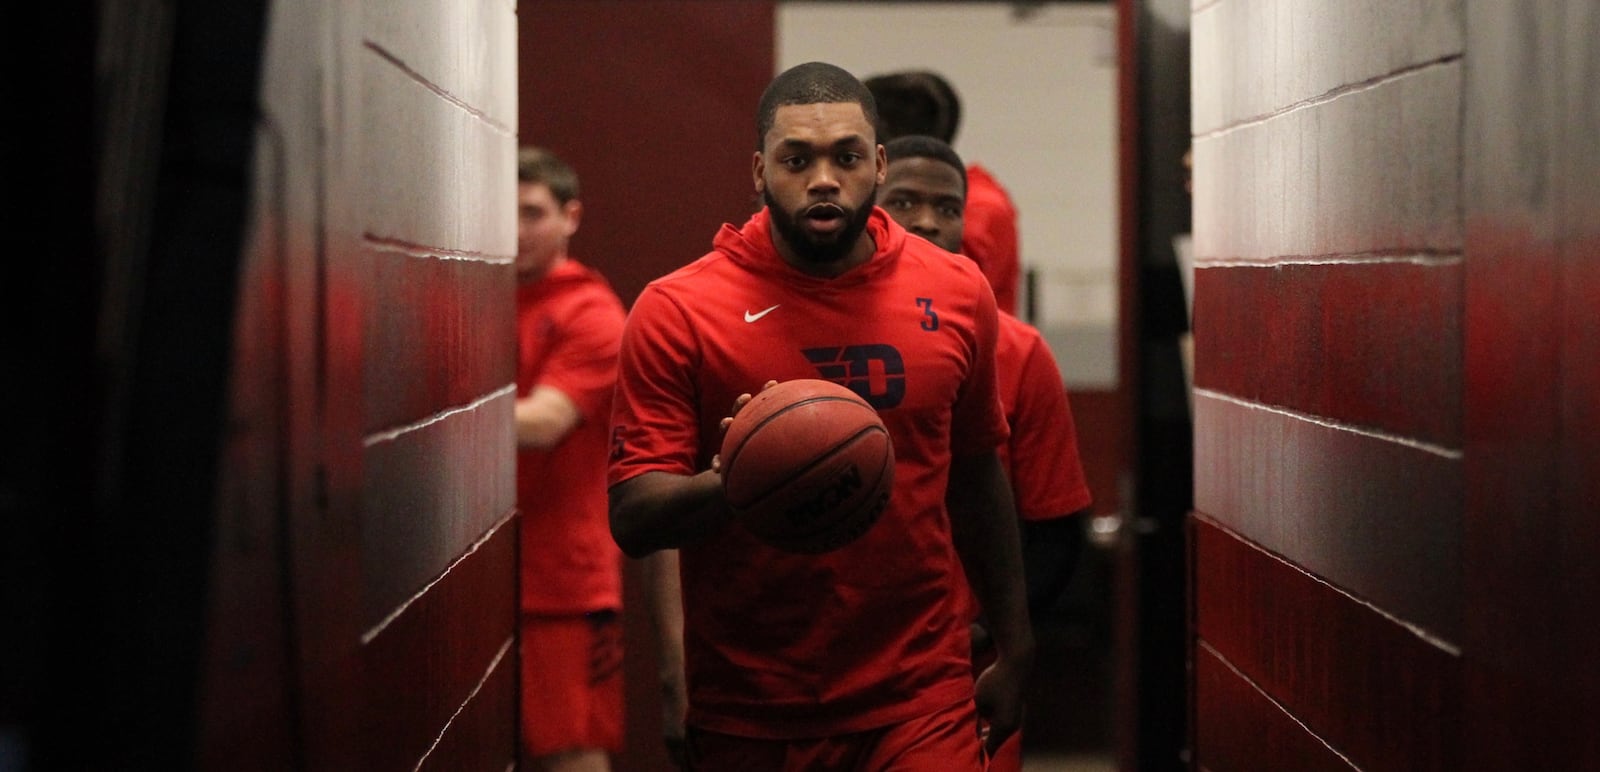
(923, 223)
(824, 178)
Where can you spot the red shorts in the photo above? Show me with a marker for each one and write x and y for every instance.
(571, 683)
(938, 742)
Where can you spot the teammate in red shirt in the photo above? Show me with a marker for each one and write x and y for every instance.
(858, 658)
(990, 235)
(569, 324)
(920, 102)
(924, 191)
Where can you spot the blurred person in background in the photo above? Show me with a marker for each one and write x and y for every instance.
(569, 325)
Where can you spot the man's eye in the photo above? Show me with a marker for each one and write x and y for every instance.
(898, 204)
(849, 159)
(794, 163)
(950, 212)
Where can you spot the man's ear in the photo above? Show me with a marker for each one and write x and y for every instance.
(758, 170)
(883, 164)
(574, 211)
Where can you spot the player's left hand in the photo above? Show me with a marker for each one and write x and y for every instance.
(738, 404)
(999, 700)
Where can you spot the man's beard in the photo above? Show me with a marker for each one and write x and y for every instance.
(802, 242)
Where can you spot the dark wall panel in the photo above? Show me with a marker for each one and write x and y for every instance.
(427, 193)
(431, 491)
(1100, 418)
(437, 338)
(480, 736)
(1329, 323)
(433, 659)
(374, 406)
(1374, 515)
(1374, 344)
(244, 718)
(1239, 727)
(1533, 376)
(1382, 693)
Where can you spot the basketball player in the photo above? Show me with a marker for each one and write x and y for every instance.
(569, 325)
(858, 658)
(920, 102)
(925, 191)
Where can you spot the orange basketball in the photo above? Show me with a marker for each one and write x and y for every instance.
(807, 466)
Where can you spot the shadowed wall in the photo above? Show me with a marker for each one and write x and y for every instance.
(1395, 238)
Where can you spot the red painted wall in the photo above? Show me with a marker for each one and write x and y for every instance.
(653, 103)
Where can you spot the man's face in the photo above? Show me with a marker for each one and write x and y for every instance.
(925, 195)
(818, 171)
(544, 225)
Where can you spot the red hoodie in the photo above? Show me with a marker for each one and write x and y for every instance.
(569, 324)
(785, 646)
(990, 235)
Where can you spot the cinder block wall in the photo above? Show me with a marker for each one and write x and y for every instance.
(1328, 383)
(364, 601)
(432, 183)
(1397, 212)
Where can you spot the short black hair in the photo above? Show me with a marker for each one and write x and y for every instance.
(923, 146)
(541, 167)
(915, 102)
(809, 84)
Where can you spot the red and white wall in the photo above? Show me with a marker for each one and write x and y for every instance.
(1395, 357)
(369, 489)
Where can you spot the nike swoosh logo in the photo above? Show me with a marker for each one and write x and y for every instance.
(749, 317)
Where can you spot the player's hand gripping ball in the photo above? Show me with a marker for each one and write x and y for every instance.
(807, 466)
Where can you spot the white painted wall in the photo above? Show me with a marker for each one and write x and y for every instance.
(1038, 90)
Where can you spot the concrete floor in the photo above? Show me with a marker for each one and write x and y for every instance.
(1062, 762)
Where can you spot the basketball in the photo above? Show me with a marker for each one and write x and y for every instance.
(807, 466)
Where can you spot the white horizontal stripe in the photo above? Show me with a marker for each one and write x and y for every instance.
(1329, 96)
(1442, 259)
(368, 636)
(1276, 704)
(1453, 454)
(422, 80)
(389, 434)
(499, 655)
(397, 246)
(1421, 633)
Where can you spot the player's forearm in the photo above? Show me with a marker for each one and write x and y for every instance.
(660, 510)
(663, 597)
(984, 523)
(664, 601)
(538, 432)
(545, 418)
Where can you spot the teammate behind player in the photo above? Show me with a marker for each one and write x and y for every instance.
(569, 323)
(922, 102)
(925, 191)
